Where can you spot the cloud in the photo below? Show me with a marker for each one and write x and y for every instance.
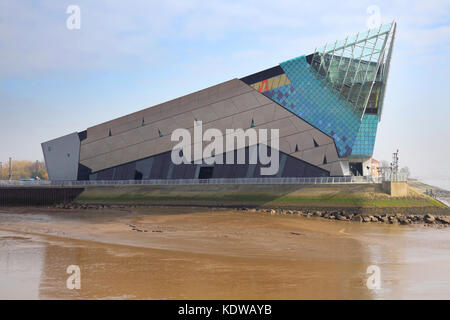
(116, 35)
(160, 49)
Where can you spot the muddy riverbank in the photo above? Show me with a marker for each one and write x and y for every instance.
(429, 216)
(194, 253)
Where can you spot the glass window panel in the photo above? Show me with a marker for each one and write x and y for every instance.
(373, 31)
(357, 52)
(386, 27)
(351, 39)
(363, 35)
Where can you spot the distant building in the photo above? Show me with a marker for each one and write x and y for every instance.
(327, 106)
(374, 165)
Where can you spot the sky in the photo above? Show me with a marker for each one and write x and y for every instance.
(130, 55)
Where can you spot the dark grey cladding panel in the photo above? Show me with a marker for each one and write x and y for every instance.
(183, 171)
(189, 172)
(106, 174)
(144, 166)
(296, 168)
(125, 171)
(250, 170)
(83, 172)
(262, 75)
(291, 169)
(159, 167)
(82, 135)
(309, 58)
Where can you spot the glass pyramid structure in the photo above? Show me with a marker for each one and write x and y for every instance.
(357, 68)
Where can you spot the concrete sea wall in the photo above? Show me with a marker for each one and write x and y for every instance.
(37, 196)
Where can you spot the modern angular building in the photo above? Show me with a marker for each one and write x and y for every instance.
(326, 105)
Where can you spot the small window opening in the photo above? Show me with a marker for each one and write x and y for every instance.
(315, 144)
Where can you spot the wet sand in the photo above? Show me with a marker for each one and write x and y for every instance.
(189, 253)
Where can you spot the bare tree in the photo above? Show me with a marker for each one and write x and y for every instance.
(405, 172)
(384, 163)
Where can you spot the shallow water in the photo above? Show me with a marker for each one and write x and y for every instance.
(277, 264)
(443, 183)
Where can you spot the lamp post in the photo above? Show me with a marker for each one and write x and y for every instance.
(10, 169)
(394, 166)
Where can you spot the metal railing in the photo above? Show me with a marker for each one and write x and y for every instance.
(312, 180)
(387, 175)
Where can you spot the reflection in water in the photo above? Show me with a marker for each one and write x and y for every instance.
(36, 268)
(276, 264)
(415, 263)
(124, 272)
(21, 259)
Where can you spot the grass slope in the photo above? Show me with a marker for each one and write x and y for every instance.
(258, 195)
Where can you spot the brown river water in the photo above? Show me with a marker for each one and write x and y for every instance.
(187, 253)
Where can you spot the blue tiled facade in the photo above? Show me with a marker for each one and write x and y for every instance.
(365, 139)
(308, 98)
